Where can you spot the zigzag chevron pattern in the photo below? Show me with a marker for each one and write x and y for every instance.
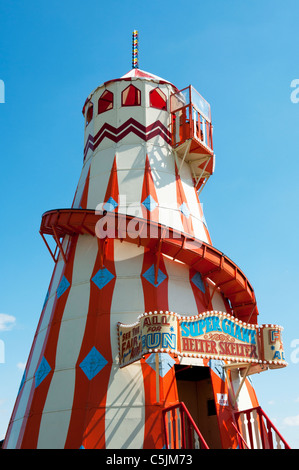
(131, 125)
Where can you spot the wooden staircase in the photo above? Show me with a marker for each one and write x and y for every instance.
(254, 430)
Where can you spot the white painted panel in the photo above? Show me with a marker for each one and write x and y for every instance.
(37, 350)
(125, 416)
(130, 174)
(169, 213)
(11, 443)
(162, 162)
(36, 354)
(86, 252)
(52, 295)
(69, 342)
(193, 204)
(26, 389)
(100, 170)
(128, 298)
(27, 386)
(199, 230)
(180, 295)
(163, 172)
(81, 183)
(20, 413)
(59, 383)
(244, 401)
(41, 334)
(70, 336)
(56, 424)
(217, 302)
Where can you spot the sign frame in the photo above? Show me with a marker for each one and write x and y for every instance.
(208, 335)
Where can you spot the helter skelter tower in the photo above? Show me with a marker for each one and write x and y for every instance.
(148, 333)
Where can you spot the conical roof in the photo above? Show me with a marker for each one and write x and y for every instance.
(137, 73)
(133, 73)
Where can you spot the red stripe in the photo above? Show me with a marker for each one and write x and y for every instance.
(148, 189)
(29, 362)
(155, 298)
(39, 394)
(224, 413)
(131, 125)
(181, 198)
(202, 299)
(131, 122)
(29, 401)
(87, 424)
(112, 187)
(84, 197)
(202, 215)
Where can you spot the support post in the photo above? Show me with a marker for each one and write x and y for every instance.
(157, 378)
(47, 245)
(158, 260)
(59, 244)
(234, 396)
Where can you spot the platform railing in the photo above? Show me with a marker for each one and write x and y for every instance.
(187, 124)
(180, 430)
(191, 118)
(256, 431)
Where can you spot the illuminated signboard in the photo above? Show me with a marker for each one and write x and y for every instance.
(212, 335)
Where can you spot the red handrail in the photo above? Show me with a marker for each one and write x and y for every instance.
(178, 428)
(241, 440)
(190, 128)
(265, 426)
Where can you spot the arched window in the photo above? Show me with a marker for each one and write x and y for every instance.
(89, 113)
(158, 99)
(131, 96)
(105, 101)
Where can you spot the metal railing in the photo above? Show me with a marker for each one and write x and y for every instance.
(191, 118)
(256, 431)
(188, 123)
(180, 430)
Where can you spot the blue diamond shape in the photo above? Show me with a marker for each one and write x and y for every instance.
(63, 286)
(102, 277)
(110, 205)
(198, 282)
(93, 363)
(184, 209)
(165, 363)
(150, 203)
(42, 372)
(150, 276)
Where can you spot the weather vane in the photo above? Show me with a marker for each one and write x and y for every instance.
(135, 49)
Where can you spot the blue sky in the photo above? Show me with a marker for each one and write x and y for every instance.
(242, 56)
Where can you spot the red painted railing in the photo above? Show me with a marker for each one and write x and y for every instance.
(180, 430)
(256, 431)
(191, 118)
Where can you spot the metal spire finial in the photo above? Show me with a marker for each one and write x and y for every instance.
(135, 49)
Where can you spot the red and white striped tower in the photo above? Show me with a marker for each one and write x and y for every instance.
(147, 154)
